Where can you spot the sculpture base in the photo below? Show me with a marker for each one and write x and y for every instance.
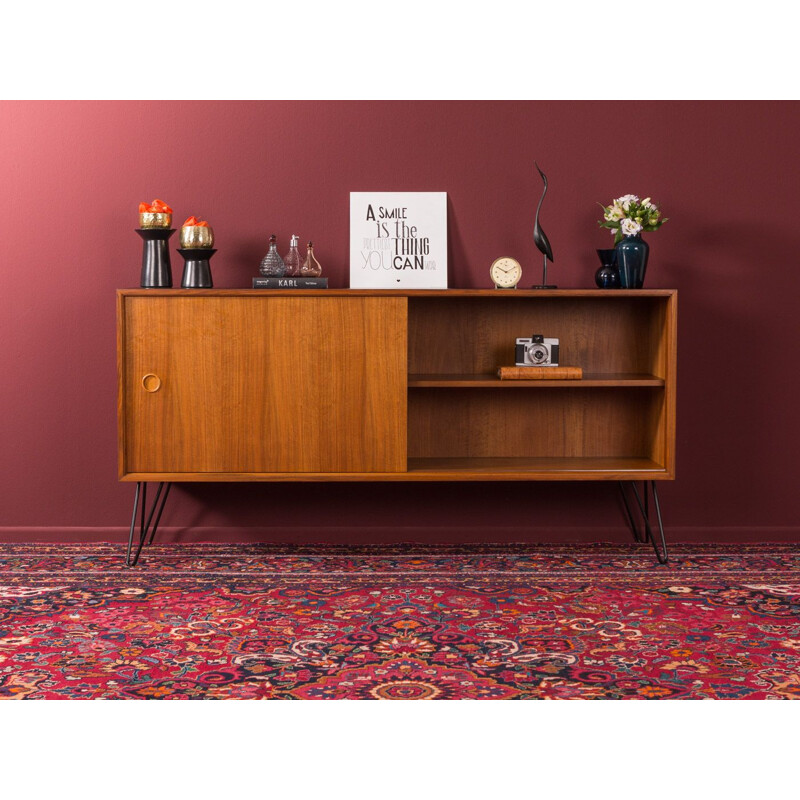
(197, 270)
(545, 286)
(156, 267)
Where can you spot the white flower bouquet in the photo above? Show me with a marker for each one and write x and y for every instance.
(628, 216)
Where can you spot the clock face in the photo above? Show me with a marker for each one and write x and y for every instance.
(505, 272)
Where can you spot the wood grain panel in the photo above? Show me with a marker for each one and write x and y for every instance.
(560, 423)
(589, 380)
(494, 294)
(179, 425)
(541, 468)
(452, 469)
(265, 384)
(606, 334)
(662, 332)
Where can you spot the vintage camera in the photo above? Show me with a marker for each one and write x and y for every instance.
(537, 352)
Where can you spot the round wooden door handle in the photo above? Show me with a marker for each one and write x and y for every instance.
(151, 382)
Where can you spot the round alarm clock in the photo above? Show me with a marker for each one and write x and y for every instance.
(506, 273)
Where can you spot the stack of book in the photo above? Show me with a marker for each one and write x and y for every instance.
(290, 283)
(540, 373)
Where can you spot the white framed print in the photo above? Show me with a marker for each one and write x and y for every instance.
(398, 240)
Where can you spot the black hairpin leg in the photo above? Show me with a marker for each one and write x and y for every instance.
(160, 512)
(646, 535)
(157, 509)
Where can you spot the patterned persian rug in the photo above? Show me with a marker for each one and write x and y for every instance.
(400, 622)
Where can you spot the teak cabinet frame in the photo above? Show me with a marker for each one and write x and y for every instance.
(357, 385)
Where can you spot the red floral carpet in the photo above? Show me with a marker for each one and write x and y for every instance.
(417, 622)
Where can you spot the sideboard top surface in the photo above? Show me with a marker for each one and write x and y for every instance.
(506, 294)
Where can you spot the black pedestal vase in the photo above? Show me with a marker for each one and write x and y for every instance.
(197, 270)
(156, 269)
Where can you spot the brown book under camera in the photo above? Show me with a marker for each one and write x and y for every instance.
(540, 373)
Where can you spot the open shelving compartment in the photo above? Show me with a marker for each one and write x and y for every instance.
(617, 423)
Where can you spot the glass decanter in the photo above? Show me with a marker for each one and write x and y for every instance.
(311, 267)
(272, 265)
(292, 259)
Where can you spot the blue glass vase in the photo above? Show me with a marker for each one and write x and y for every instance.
(632, 254)
(607, 277)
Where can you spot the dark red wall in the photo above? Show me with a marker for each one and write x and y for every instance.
(726, 173)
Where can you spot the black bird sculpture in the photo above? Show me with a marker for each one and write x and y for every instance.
(540, 237)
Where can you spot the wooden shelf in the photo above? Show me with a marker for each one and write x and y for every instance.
(568, 469)
(451, 469)
(488, 380)
(493, 294)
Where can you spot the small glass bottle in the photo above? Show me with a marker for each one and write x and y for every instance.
(311, 267)
(292, 259)
(272, 265)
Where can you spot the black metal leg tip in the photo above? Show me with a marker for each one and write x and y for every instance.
(647, 535)
(148, 526)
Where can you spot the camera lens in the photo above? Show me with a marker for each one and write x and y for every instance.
(538, 354)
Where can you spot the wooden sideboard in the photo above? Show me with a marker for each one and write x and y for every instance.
(258, 385)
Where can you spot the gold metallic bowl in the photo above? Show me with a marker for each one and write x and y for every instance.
(152, 219)
(197, 236)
